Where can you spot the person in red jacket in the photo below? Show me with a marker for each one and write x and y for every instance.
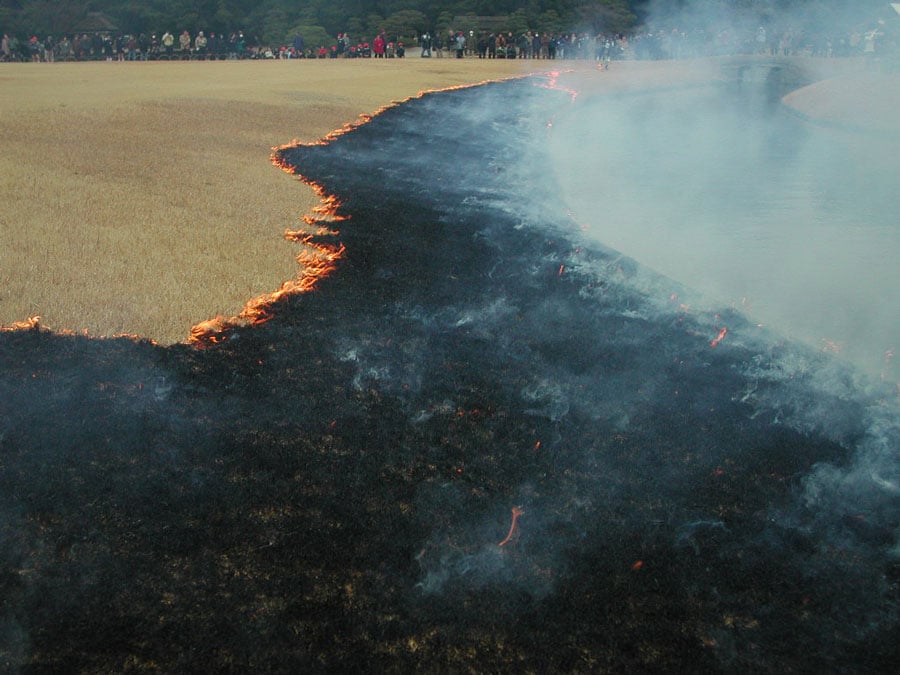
(378, 45)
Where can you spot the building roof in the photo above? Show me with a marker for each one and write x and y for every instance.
(95, 22)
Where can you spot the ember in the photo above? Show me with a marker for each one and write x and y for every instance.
(721, 336)
(516, 512)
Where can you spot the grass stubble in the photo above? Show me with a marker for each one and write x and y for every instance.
(139, 198)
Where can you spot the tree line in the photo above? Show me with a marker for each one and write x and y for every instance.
(319, 21)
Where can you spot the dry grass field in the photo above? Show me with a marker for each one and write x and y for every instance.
(140, 198)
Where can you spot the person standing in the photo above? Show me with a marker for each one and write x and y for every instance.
(870, 46)
(131, 47)
(214, 46)
(760, 40)
(65, 49)
(438, 43)
(34, 49)
(184, 45)
(108, 48)
(200, 44)
(524, 45)
(168, 44)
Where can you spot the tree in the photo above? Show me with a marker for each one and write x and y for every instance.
(333, 17)
(223, 21)
(518, 22)
(549, 22)
(407, 23)
(444, 21)
(135, 18)
(313, 36)
(356, 29)
(607, 16)
(374, 24)
(390, 7)
(276, 25)
(43, 17)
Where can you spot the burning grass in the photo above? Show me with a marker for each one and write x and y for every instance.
(139, 198)
(285, 502)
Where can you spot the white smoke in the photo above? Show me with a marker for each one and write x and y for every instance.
(751, 210)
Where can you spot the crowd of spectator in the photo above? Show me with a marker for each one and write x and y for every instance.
(646, 44)
(664, 44)
(679, 44)
(99, 46)
(185, 47)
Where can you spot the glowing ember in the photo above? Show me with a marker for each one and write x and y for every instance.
(716, 340)
(516, 512)
(553, 83)
(830, 346)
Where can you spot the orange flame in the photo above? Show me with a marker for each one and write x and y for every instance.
(516, 512)
(319, 263)
(716, 340)
(31, 323)
(34, 323)
(316, 262)
(553, 83)
(365, 118)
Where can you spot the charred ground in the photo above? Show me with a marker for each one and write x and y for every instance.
(327, 490)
